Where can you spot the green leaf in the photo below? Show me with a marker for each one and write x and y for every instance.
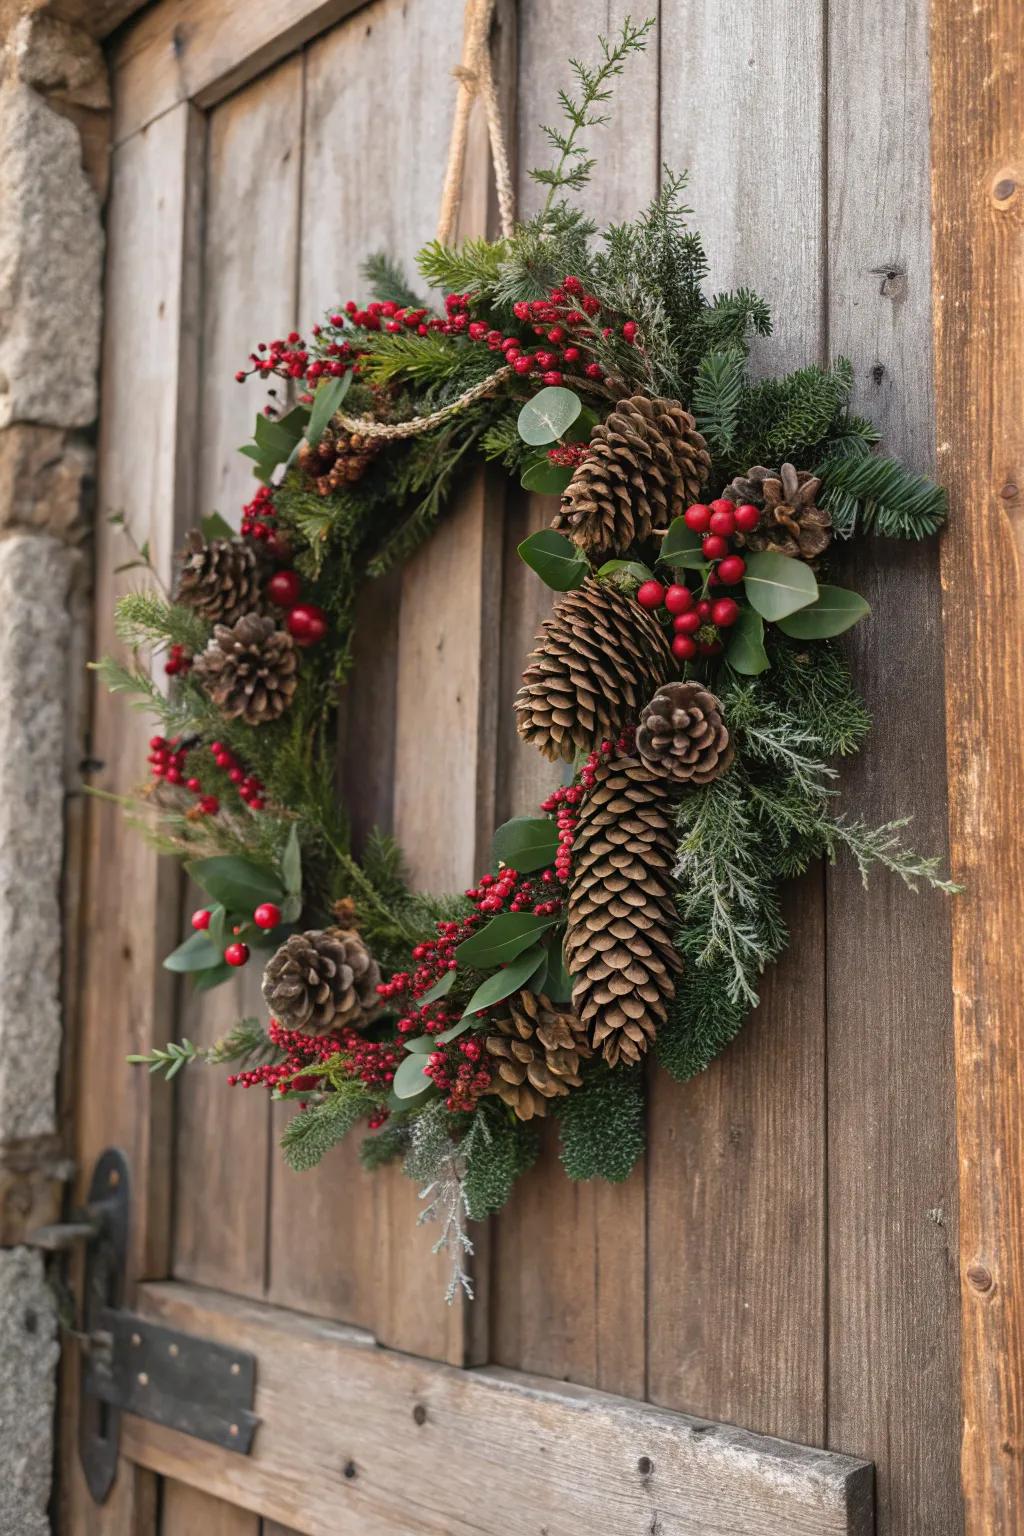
(777, 585)
(836, 610)
(440, 988)
(526, 843)
(628, 567)
(421, 1045)
(216, 527)
(325, 402)
(501, 939)
(549, 415)
(409, 1078)
(682, 547)
(291, 863)
(291, 909)
(582, 427)
(203, 981)
(503, 983)
(198, 953)
(214, 929)
(238, 883)
(454, 1031)
(556, 560)
(745, 652)
(545, 478)
(554, 981)
(413, 1101)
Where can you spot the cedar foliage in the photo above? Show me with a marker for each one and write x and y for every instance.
(602, 1124)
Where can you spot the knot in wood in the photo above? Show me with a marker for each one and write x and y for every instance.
(980, 1277)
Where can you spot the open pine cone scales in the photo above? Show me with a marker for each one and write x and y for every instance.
(593, 665)
(220, 580)
(339, 458)
(646, 462)
(682, 735)
(621, 914)
(249, 669)
(536, 1049)
(323, 979)
(791, 522)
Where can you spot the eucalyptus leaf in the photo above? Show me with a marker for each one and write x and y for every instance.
(409, 1079)
(214, 929)
(239, 884)
(420, 1045)
(548, 416)
(512, 978)
(440, 988)
(778, 585)
(291, 863)
(682, 547)
(745, 651)
(501, 940)
(291, 910)
(526, 843)
(545, 478)
(204, 981)
(454, 1031)
(326, 401)
(556, 560)
(198, 953)
(414, 1101)
(836, 610)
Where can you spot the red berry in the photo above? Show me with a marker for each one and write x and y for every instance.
(724, 522)
(650, 594)
(307, 623)
(698, 517)
(722, 504)
(683, 648)
(552, 377)
(201, 919)
(678, 599)
(687, 623)
(747, 517)
(236, 954)
(267, 915)
(283, 588)
(714, 547)
(704, 610)
(725, 612)
(523, 364)
(710, 647)
(629, 330)
(732, 570)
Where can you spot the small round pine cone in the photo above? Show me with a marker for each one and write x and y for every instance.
(323, 979)
(220, 580)
(537, 1049)
(339, 458)
(249, 669)
(682, 736)
(791, 522)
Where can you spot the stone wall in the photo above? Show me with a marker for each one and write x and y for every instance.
(54, 128)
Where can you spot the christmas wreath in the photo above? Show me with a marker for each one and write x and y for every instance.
(688, 676)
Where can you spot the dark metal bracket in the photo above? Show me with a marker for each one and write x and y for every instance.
(132, 1365)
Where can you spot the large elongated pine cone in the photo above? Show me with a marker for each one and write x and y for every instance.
(249, 669)
(594, 663)
(622, 916)
(537, 1049)
(220, 580)
(682, 736)
(647, 461)
(791, 522)
(320, 980)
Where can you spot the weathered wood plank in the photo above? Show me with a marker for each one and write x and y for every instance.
(253, 164)
(561, 1459)
(892, 1219)
(195, 50)
(186, 1511)
(736, 1166)
(978, 289)
(148, 394)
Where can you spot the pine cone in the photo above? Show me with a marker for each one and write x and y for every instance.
(339, 458)
(220, 580)
(647, 461)
(595, 661)
(538, 1048)
(682, 735)
(249, 669)
(790, 524)
(622, 914)
(321, 980)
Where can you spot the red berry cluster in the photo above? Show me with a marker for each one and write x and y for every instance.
(508, 891)
(266, 915)
(259, 515)
(178, 660)
(372, 1062)
(697, 619)
(169, 761)
(249, 787)
(306, 622)
(718, 523)
(461, 1070)
(569, 455)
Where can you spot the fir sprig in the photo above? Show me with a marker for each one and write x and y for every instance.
(882, 496)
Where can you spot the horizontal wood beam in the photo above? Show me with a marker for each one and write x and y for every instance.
(202, 50)
(355, 1438)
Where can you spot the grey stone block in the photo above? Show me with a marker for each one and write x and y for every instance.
(29, 1350)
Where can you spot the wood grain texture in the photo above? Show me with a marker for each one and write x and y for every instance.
(148, 395)
(978, 257)
(892, 1158)
(186, 1511)
(253, 162)
(195, 50)
(593, 1462)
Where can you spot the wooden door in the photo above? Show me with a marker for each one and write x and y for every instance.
(784, 1260)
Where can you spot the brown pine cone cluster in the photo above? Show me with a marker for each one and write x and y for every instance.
(537, 1048)
(340, 458)
(320, 980)
(791, 522)
(593, 665)
(621, 914)
(682, 736)
(647, 461)
(249, 669)
(220, 580)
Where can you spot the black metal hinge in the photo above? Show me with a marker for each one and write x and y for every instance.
(132, 1365)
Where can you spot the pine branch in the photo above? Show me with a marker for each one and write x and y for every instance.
(602, 1124)
(814, 684)
(314, 1131)
(472, 267)
(702, 1020)
(716, 397)
(881, 496)
(496, 1149)
(884, 846)
(386, 282)
(245, 1043)
(169, 1059)
(147, 619)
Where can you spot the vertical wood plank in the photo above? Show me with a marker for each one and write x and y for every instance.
(148, 394)
(186, 1511)
(978, 255)
(736, 1241)
(252, 184)
(892, 1219)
